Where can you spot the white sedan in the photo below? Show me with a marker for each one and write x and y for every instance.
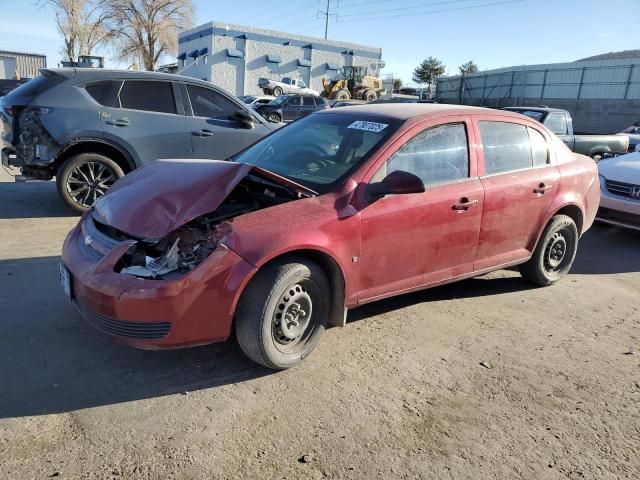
(620, 191)
(255, 100)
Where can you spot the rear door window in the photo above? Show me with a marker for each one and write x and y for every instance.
(99, 90)
(436, 155)
(539, 149)
(506, 147)
(308, 101)
(210, 104)
(148, 96)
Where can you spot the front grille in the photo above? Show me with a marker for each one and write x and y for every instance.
(121, 328)
(621, 189)
(94, 243)
(617, 216)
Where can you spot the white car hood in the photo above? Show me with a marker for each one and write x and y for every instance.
(625, 168)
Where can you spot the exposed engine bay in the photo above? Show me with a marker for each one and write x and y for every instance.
(188, 246)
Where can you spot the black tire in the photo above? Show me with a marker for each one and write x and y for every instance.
(597, 156)
(84, 178)
(554, 255)
(293, 289)
(370, 96)
(277, 91)
(274, 118)
(342, 95)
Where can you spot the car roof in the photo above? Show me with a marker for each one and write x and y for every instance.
(406, 111)
(535, 109)
(90, 74)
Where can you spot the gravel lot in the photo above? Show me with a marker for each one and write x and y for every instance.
(399, 393)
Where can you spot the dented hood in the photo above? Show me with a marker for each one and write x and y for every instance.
(155, 200)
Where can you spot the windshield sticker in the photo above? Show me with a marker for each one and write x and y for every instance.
(368, 126)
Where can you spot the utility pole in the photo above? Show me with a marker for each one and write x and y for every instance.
(327, 13)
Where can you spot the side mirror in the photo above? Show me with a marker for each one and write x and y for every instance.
(396, 183)
(243, 117)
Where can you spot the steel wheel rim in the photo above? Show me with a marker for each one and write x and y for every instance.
(89, 181)
(556, 252)
(292, 322)
(274, 118)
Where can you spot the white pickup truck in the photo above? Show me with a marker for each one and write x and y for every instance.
(286, 85)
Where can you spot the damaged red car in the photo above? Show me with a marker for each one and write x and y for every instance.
(338, 209)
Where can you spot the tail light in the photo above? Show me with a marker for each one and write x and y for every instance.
(10, 110)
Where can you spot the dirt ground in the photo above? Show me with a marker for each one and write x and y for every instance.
(400, 392)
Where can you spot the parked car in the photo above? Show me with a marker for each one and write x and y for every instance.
(620, 191)
(341, 208)
(88, 127)
(345, 103)
(254, 100)
(633, 132)
(560, 122)
(285, 86)
(286, 108)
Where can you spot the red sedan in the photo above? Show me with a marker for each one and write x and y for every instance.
(338, 209)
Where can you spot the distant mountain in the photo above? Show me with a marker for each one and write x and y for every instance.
(614, 55)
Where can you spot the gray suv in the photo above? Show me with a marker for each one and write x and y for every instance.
(88, 127)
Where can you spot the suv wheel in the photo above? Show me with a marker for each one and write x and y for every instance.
(84, 178)
(553, 257)
(274, 118)
(283, 313)
(277, 91)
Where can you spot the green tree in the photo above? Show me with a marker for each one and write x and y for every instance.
(467, 68)
(397, 84)
(428, 71)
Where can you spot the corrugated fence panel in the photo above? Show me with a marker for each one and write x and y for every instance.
(599, 90)
(561, 91)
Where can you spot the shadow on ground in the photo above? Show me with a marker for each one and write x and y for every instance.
(35, 199)
(51, 361)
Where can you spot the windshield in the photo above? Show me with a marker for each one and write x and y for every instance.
(321, 150)
(248, 99)
(278, 100)
(531, 114)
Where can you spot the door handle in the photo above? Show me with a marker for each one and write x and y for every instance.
(465, 204)
(542, 188)
(121, 122)
(203, 133)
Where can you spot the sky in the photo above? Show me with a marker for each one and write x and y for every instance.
(492, 33)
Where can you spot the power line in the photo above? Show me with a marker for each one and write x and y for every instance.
(432, 4)
(414, 14)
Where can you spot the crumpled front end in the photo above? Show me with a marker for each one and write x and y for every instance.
(192, 305)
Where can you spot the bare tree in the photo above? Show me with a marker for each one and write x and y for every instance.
(81, 24)
(147, 29)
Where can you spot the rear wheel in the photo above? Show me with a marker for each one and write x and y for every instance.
(84, 178)
(370, 96)
(277, 91)
(283, 313)
(553, 257)
(597, 156)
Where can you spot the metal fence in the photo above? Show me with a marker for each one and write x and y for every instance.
(608, 79)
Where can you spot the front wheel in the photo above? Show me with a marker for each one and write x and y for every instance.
(83, 179)
(274, 118)
(283, 313)
(554, 255)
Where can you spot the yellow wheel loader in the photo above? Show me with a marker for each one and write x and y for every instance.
(353, 83)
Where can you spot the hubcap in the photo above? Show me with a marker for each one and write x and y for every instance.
(89, 181)
(292, 315)
(555, 251)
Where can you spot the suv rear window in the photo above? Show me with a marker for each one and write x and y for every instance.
(147, 96)
(99, 90)
(308, 101)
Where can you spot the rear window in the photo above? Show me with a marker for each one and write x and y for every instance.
(99, 90)
(557, 123)
(308, 101)
(320, 101)
(39, 84)
(506, 147)
(148, 96)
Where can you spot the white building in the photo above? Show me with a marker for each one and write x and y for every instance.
(234, 57)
